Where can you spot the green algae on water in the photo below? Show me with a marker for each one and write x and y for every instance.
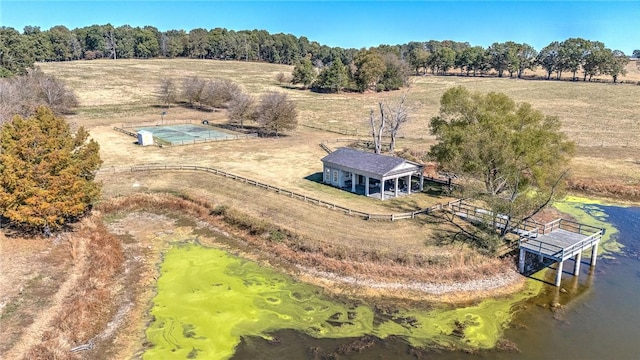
(588, 212)
(208, 299)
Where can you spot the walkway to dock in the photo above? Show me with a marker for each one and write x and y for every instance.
(558, 240)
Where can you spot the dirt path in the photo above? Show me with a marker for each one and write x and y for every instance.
(32, 335)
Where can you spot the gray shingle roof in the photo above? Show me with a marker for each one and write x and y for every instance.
(366, 162)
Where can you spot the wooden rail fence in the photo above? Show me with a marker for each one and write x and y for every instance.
(292, 194)
(130, 133)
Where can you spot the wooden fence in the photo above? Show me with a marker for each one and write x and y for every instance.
(285, 192)
(130, 133)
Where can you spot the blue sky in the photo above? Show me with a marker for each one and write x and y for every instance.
(356, 23)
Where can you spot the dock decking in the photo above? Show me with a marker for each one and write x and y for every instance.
(558, 240)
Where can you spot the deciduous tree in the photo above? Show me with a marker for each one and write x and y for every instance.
(167, 91)
(46, 172)
(276, 113)
(218, 92)
(192, 89)
(510, 155)
(369, 69)
(615, 64)
(241, 108)
(22, 95)
(549, 58)
(391, 119)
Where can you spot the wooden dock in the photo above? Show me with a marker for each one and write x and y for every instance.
(558, 240)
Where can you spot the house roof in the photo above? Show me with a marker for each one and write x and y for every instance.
(366, 162)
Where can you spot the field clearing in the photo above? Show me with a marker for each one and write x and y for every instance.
(593, 114)
(602, 118)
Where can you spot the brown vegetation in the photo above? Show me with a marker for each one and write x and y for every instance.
(284, 246)
(80, 307)
(22, 95)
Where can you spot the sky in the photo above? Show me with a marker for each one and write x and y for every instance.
(356, 24)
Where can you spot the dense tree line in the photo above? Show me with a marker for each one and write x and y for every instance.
(19, 51)
(334, 68)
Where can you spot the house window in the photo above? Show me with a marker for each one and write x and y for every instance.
(327, 175)
(335, 176)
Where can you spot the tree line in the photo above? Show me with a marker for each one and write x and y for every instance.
(20, 50)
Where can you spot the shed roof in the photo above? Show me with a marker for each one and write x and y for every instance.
(381, 165)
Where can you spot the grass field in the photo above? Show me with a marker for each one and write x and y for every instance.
(602, 118)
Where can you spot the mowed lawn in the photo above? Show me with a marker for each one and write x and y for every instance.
(602, 118)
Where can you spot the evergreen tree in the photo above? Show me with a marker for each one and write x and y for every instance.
(332, 78)
(46, 172)
(304, 73)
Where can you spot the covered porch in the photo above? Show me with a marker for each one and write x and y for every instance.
(373, 175)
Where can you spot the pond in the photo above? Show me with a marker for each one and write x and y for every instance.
(213, 305)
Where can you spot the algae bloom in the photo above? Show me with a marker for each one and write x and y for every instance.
(208, 299)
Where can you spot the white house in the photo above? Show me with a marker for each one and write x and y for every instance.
(370, 174)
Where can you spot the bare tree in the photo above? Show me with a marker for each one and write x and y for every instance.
(276, 113)
(391, 120)
(396, 118)
(377, 128)
(110, 43)
(167, 91)
(192, 89)
(22, 95)
(282, 78)
(55, 94)
(241, 108)
(217, 93)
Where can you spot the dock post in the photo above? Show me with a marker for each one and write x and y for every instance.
(559, 273)
(521, 260)
(594, 254)
(576, 265)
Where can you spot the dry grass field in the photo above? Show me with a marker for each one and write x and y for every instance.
(602, 118)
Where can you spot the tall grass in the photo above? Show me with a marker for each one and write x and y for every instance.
(92, 305)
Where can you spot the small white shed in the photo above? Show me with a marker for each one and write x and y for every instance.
(145, 138)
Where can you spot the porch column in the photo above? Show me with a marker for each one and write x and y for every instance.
(576, 266)
(408, 180)
(523, 252)
(366, 186)
(324, 173)
(421, 180)
(382, 189)
(594, 254)
(559, 273)
(353, 181)
(395, 182)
